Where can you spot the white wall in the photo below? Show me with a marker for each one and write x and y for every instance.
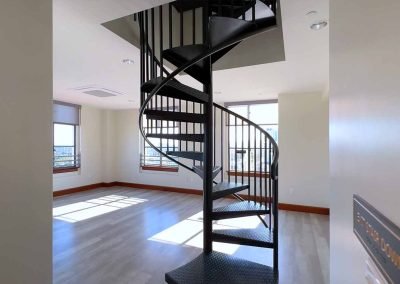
(364, 123)
(303, 147)
(25, 141)
(95, 149)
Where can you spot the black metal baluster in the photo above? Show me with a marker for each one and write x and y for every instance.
(215, 129)
(261, 156)
(229, 147)
(269, 181)
(201, 131)
(187, 128)
(242, 153)
(181, 27)
(243, 10)
(170, 24)
(222, 145)
(174, 124)
(153, 64)
(236, 152)
(146, 44)
(253, 12)
(142, 61)
(255, 165)
(248, 161)
(180, 124)
(194, 130)
(194, 25)
(161, 41)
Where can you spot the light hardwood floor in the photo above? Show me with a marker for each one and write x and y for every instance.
(121, 236)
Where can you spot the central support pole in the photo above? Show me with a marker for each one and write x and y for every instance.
(208, 143)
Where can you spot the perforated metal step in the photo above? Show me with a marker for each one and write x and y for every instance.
(174, 116)
(183, 54)
(200, 171)
(218, 268)
(185, 137)
(191, 155)
(226, 188)
(249, 237)
(240, 209)
(176, 90)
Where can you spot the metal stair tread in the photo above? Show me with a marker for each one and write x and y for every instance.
(250, 237)
(223, 189)
(177, 90)
(219, 268)
(185, 137)
(200, 171)
(180, 55)
(174, 116)
(192, 155)
(240, 209)
(225, 28)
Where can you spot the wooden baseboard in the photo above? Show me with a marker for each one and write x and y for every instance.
(281, 206)
(81, 188)
(159, 187)
(304, 208)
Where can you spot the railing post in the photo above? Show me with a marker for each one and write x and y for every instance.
(275, 213)
(208, 144)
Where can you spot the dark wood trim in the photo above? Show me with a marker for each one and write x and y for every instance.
(81, 188)
(65, 170)
(159, 187)
(248, 174)
(282, 206)
(304, 208)
(160, 169)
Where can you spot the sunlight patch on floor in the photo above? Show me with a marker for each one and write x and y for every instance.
(189, 232)
(85, 210)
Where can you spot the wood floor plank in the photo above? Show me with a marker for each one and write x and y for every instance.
(135, 236)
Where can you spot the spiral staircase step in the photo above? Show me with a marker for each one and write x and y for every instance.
(219, 268)
(199, 170)
(178, 56)
(191, 155)
(227, 188)
(174, 116)
(176, 90)
(240, 209)
(248, 237)
(184, 137)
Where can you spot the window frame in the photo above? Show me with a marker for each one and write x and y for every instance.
(77, 164)
(248, 173)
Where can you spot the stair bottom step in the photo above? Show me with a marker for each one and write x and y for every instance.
(218, 268)
(248, 237)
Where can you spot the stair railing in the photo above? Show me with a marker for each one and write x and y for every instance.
(230, 129)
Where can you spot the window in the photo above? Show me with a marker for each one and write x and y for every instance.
(242, 155)
(66, 118)
(150, 158)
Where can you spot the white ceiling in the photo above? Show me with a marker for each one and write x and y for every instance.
(88, 55)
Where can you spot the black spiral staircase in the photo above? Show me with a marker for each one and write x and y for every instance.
(233, 156)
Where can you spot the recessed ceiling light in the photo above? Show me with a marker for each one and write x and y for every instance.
(319, 25)
(128, 61)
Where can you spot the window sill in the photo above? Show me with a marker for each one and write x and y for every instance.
(160, 169)
(65, 170)
(248, 174)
